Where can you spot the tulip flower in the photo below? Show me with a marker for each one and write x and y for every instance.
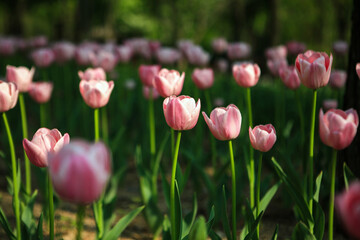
(348, 205)
(238, 50)
(295, 47)
(43, 57)
(219, 45)
(330, 104)
(41, 91)
(64, 51)
(290, 77)
(43, 142)
(8, 95)
(146, 92)
(337, 78)
(7, 46)
(38, 41)
(104, 59)
(169, 83)
(96, 93)
(147, 74)
(262, 138)
(197, 56)
(181, 113)
(337, 130)
(222, 65)
(80, 170)
(124, 53)
(246, 74)
(22, 76)
(340, 47)
(275, 65)
(92, 74)
(83, 55)
(314, 68)
(167, 55)
(277, 52)
(358, 69)
(203, 78)
(224, 123)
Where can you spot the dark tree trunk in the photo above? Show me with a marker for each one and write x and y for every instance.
(351, 155)
(238, 19)
(274, 23)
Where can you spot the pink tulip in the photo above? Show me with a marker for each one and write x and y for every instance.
(348, 205)
(83, 55)
(224, 123)
(124, 53)
(239, 50)
(203, 78)
(80, 171)
(275, 65)
(262, 137)
(146, 92)
(295, 47)
(169, 83)
(8, 95)
(105, 60)
(246, 74)
(167, 55)
(92, 74)
(41, 91)
(340, 47)
(43, 142)
(218, 102)
(64, 51)
(38, 41)
(147, 74)
(277, 52)
(181, 113)
(330, 104)
(22, 76)
(197, 56)
(358, 69)
(96, 93)
(338, 128)
(314, 68)
(140, 46)
(289, 77)
(7, 46)
(337, 78)
(219, 45)
(43, 57)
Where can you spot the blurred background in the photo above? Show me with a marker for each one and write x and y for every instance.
(262, 23)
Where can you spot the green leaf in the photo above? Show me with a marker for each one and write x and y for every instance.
(211, 219)
(190, 218)
(224, 216)
(275, 235)
(166, 228)
(27, 212)
(294, 192)
(166, 189)
(253, 227)
(199, 232)
(264, 202)
(302, 232)
(318, 186)
(319, 220)
(120, 226)
(178, 214)
(5, 225)
(348, 175)
(39, 230)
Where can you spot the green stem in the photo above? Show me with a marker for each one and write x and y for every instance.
(311, 155)
(332, 194)
(51, 207)
(42, 115)
(80, 220)
(96, 124)
(233, 178)
(152, 125)
(252, 164)
(104, 125)
(25, 135)
(172, 187)
(14, 173)
(212, 139)
(258, 183)
(172, 141)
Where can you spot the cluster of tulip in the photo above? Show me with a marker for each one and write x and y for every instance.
(79, 171)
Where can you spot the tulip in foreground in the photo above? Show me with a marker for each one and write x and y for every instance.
(246, 74)
(8, 96)
(338, 128)
(41, 91)
(224, 123)
(203, 78)
(147, 74)
(22, 76)
(262, 137)
(80, 171)
(43, 142)
(169, 82)
(348, 205)
(96, 93)
(314, 68)
(181, 113)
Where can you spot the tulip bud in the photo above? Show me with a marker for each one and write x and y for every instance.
(289, 77)
(22, 76)
(8, 95)
(96, 93)
(262, 137)
(41, 91)
(147, 74)
(246, 74)
(337, 78)
(203, 78)
(169, 83)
